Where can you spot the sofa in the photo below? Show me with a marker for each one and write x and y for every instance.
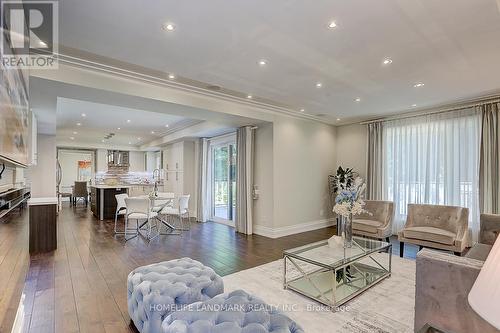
(435, 226)
(377, 223)
(443, 282)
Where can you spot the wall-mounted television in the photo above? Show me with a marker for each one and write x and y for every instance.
(14, 113)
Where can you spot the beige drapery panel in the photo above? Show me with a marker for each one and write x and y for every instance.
(489, 165)
(375, 158)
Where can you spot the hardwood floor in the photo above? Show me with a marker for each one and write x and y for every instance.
(81, 287)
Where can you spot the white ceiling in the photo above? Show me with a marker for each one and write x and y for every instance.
(452, 46)
(101, 119)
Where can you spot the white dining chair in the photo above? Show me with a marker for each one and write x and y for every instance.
(121, 209)
(139, 209)
(181, 211)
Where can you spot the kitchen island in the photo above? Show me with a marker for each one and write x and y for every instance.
(103, 201)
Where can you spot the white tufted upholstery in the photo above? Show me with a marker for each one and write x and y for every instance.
(235, 312)
(154, 291)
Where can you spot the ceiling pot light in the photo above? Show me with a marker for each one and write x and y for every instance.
(171, 76)
(357, 100)
(166, 125)
(414, 105)
(418, 84)
(302, 110)
(75, 133)
(152, 132)
(332, 25)
(249, 96)
(128, 120)
(130, 143)
(119, 128)
(71, 138)
(262, 62)
(319, 85)
(338, 119)
(78, 124)
(102, 140)
(84, 115)
(387, 61)
(139, 139)
(168, 26)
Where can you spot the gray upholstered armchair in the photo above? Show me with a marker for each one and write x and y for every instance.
(443, 282)
(376, 224)
(434, 226)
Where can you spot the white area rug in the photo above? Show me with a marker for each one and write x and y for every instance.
(386, 307)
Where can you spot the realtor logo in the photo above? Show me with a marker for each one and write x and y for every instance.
(29, 34)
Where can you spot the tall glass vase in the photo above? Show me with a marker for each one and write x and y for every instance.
(347, 231)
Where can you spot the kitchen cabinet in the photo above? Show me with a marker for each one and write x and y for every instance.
(178, 161)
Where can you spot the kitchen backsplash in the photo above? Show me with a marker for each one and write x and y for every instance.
(124, 178)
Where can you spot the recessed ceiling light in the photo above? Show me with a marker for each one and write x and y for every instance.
(119, 128)
(357, 100)
(128, 120)
(168, 26)
(387, 61)
(302, 110)
(319, 85)
(72, 138)
(332, 25)
(414, 105)
(166, 125)
(338, 119)
(102, 140)
(262, 62)
(75, 133)
(152, 132)
(130, 143)
(84, 115)
(171, 76)
(419, 84)
(139, 139)
(78, 124)
(249, 96)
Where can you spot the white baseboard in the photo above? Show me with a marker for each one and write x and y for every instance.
(293, 229)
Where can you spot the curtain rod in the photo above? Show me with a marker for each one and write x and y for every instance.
(444, 109)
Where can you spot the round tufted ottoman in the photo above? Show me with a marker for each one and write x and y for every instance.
(154, 291)
(235, 312)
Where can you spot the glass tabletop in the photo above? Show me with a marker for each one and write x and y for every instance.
(334, 254)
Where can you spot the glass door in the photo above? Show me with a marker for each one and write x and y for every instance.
(224, 182)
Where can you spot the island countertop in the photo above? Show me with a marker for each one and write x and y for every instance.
(104, 186)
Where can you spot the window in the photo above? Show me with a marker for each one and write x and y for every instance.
(434, 160)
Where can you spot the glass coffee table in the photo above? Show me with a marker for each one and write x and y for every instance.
(332, 274)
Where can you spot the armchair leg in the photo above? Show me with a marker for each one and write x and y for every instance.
(420, 247)
(388, 240)
(401, 249)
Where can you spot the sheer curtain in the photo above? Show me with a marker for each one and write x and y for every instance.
(433, 159)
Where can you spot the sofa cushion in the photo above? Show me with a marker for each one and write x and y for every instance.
(430, 234)
(370, 226)
(154, 291)
(234, 312)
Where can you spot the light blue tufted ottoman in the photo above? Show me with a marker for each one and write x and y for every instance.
(235, 312)
(154, 291)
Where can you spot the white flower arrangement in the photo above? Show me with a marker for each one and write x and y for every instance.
(349, 202)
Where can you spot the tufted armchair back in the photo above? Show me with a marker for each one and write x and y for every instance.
(490, 228)
(382, 211)
(450, 218)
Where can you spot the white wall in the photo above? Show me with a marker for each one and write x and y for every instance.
(263, 176)
(351, 147)
(43, 175)
(69, 164)
(304, 154)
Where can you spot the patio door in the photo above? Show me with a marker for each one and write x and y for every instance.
(224, 182)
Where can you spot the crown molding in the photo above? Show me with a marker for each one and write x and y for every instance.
(144, 75)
